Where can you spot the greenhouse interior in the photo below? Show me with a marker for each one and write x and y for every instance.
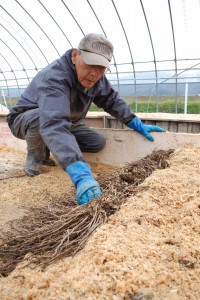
(128, 226)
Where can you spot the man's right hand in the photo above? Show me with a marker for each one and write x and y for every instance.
(87, 187)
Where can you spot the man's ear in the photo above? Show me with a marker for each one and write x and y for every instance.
(74, 55)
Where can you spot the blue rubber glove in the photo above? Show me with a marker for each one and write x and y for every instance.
(143, 129)
(87, 187)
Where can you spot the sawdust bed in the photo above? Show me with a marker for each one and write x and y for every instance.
(149, 249)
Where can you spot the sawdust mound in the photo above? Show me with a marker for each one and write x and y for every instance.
(149, 249)
(57, 231)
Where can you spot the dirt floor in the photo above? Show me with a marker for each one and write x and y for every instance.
(149, 249)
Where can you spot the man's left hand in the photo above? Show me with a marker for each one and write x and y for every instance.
(143, 129)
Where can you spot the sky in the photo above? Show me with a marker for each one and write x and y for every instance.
(36, 32)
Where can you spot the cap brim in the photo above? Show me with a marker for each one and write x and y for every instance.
(95, 59)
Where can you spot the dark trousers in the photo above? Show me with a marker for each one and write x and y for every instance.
(26, 126)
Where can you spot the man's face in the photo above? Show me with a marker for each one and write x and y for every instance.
(87, 75)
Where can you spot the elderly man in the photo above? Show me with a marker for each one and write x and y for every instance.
(51, 109)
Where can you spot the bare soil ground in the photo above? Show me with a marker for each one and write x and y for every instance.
(149, 249)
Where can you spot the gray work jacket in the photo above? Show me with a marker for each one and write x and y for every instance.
(63, 103)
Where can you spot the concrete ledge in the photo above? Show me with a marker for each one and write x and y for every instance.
(143, 116)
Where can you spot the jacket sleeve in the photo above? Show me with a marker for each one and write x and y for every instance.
(110, 101)
(55, 122)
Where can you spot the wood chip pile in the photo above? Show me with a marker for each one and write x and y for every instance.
(63, 228)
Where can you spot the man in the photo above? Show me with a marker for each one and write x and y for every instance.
(51, 110)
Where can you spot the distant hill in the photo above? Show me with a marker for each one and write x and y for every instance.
(163, 90)
(166, 84)
(145, 84)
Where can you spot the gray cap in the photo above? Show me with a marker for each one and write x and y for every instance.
(96, 49)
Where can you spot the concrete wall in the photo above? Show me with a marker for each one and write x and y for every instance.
(6, 137)
(122, 146)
